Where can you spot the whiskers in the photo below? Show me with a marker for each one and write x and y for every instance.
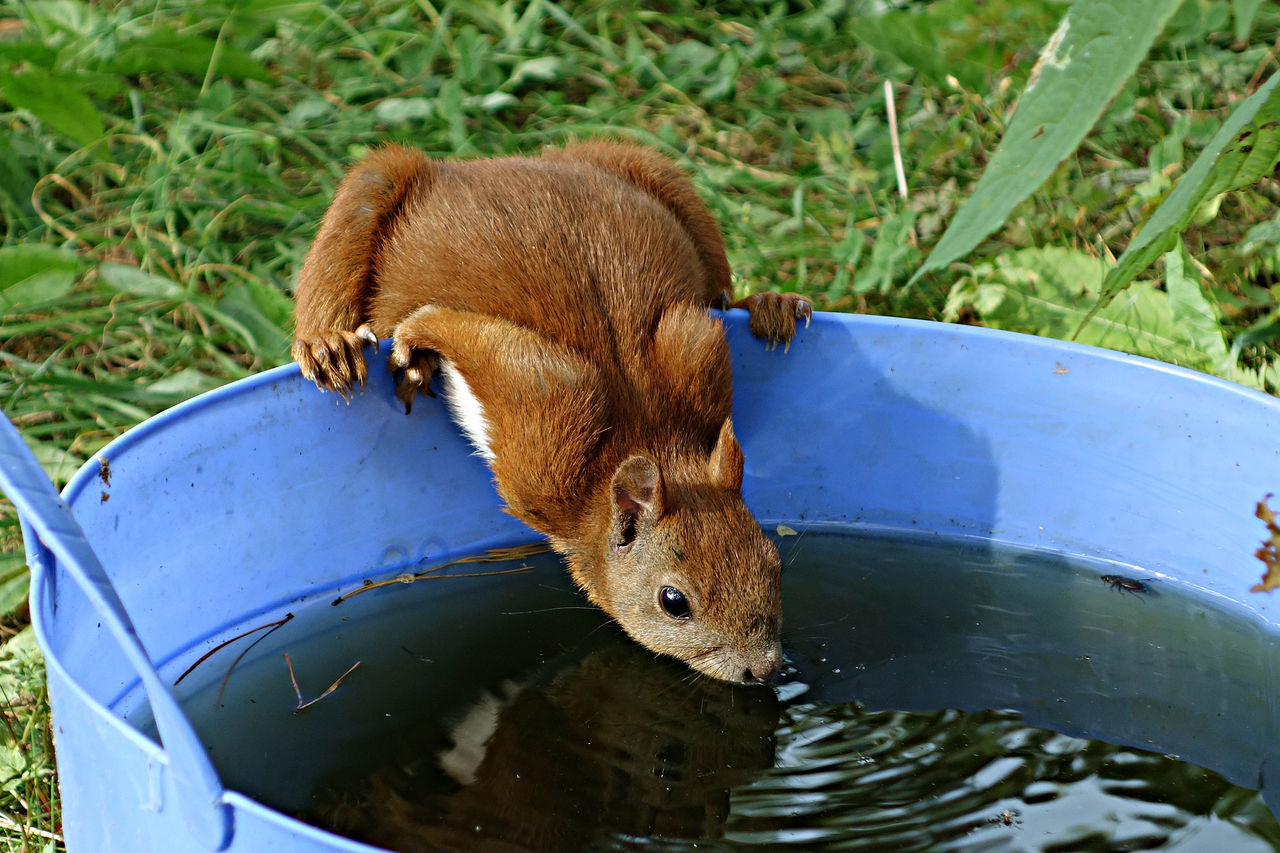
(604, 623)
(713, 659)
(548, 610)
(784, 532)
(692, 678)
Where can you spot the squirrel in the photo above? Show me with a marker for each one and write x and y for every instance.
(564, 301)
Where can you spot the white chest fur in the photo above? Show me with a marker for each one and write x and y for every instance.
(466, 408)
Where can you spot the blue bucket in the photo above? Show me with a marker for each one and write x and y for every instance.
(244, 501)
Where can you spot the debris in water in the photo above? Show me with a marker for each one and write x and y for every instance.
(302, 706)
(493, 555)
(225, 678)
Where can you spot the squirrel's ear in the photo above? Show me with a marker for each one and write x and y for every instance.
(637, 496)
(724, 468)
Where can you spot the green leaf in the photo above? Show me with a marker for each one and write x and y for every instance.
(1265, 330)
(59, 464)
(16, 52)
(1244, 149)
(542, 69)
(494, 101)
(687, 55)
(313, 109)
(1049, 291)
(33, 273)
(76, 17)
(15, 581)
(1191, 310)
(399, 111)
(16, 183)
(257, 18)
(127, 279)
(262, 316)
(923, 38)
(1244, 11)
(1087, 60)
(55, 100)
(185, 383)
(891, 251)
(188, 54)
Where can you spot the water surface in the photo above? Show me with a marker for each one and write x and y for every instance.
(940, 695)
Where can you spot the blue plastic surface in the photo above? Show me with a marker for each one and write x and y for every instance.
(47, 518)
(266, 492)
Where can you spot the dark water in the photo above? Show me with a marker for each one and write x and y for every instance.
(504, 714)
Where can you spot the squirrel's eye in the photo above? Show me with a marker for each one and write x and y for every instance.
(673, 602)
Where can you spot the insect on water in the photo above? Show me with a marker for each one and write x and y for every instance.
(1120, 583)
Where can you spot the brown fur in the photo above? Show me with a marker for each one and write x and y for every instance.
(570, 292)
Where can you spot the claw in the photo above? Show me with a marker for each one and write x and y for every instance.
(320, 353)
(333, 360)
(774, 316)
(407, 387)
(357, 369)
(367, 335)
(805, 310)
(413, 368)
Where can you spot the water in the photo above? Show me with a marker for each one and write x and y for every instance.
(504, 713)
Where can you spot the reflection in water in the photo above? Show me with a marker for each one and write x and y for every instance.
(620, 744)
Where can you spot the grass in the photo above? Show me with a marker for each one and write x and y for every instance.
(163, 167)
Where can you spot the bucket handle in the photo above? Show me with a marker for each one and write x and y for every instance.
(198, 789)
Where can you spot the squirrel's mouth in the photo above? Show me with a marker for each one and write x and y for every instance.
(757, 665)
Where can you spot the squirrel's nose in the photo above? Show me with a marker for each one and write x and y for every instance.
(763, 670)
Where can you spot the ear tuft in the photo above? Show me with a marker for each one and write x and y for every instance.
(724, 468)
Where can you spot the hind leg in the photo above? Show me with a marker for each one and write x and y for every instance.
(654, 174)
(773, 315)
(336, 284)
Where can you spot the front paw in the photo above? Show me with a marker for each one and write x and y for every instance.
(333, 359)
(412, 367)
(774, 316)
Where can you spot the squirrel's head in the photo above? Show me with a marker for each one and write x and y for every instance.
(686, 570)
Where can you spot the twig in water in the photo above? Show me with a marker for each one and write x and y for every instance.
(493, 555)
(288, 661)
(497, 555)
(302, 706)
(213, 651)
(222, 685)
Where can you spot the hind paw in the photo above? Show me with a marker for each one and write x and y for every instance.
(774, 316)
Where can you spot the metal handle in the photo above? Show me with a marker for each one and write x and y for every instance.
(198, 789)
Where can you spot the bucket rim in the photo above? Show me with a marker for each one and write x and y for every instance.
(735, 319)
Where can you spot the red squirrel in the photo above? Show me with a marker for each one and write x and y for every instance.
(563, 299)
